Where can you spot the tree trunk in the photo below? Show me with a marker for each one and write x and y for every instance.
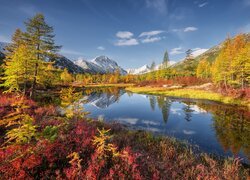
(33, 87)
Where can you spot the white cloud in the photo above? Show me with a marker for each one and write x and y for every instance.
(127, 42)
(203, 4)
(151, 39)
(190, 29)
(124, 34)
(151, 33)
(159, 5)
(176, 51)
(101, 48)
(4, 39)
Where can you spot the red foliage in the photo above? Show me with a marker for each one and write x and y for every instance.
(236, 93)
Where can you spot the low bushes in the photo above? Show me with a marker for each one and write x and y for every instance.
(72, 148)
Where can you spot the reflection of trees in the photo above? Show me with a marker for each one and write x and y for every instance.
(188, 111)
(103, 97)
(232, 127)
(152, 101)
(164, 104)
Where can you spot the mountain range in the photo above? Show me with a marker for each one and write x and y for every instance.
(99, 65)
(104, 65)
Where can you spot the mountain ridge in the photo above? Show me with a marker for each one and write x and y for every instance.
(99, 65)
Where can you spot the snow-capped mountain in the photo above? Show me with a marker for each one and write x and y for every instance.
(102, 100)
(145, 69)
(63, 62)
(198, 51)
(141, 70)
(101, 64)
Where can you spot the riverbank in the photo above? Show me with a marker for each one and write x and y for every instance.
(189, 93)
(110, 85)
(62, 147)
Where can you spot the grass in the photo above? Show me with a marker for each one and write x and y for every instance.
(189, 93)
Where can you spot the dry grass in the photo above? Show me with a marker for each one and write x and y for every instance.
(189, 93)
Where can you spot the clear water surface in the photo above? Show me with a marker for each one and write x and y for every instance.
(213, 127)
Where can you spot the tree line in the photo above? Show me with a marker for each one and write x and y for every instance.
(30, 57)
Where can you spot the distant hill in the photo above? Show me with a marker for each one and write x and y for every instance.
(210, 55)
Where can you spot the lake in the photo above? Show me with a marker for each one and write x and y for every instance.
(214, 127)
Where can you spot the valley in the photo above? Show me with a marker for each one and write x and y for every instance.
(65, 118)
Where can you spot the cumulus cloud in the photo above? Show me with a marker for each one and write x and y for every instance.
(151, 33)
(124, 34)
(151, 36)
(151, 39)
(126, 38)
(101, 48)
(176, 51)
(190, 29)
(127, 42)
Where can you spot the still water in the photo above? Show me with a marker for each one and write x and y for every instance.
(212, 127)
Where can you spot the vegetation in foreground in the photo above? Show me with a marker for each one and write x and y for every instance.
(40, 143)
(189, 93)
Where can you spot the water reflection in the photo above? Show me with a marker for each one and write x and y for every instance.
(232, 127)
(102, 97)
(216, 128)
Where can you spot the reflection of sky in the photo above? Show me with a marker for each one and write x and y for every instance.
(135, 111)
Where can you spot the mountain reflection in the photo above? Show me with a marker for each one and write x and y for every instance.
(102, 97)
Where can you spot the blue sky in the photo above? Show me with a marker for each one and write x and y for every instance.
(132, 32)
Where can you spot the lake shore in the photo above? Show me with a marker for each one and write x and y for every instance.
(189, 93)
(107, 150)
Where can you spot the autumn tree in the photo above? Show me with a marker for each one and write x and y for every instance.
(231, 67)
(203, 69)
(66, 77)
(39, 36)
(18, 64)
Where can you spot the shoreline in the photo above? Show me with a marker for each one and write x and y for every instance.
(190, 94)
